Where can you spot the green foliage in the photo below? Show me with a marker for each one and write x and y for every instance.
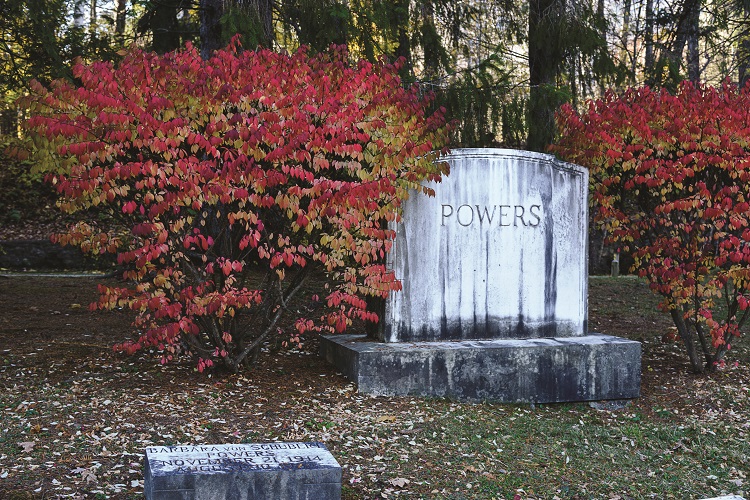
(514, 119)
(244, 22)
(34, 44)
(317, 24)
(567, 51)
(22, 191)
(476, 99)
(168, 22)
(40, 44)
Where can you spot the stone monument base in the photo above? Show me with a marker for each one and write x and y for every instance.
(547, 370)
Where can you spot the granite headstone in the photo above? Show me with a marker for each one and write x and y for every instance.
(494, 300)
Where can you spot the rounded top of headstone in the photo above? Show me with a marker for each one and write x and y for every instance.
(502, 153)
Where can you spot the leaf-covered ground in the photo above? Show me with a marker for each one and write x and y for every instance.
(75, 417)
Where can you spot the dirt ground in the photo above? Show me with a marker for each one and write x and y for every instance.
(77, 416)
(46, 322)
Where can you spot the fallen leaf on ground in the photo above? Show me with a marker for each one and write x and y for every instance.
(89, 476)
(399, 481)
(27, 446)
(385, 418)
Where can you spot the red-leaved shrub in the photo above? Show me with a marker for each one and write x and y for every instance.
(238, 178)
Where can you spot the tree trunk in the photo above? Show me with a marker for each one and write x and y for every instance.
(210, 29)
(743, 52)
(262, 10)
(573, 79)
(625, 53)
(258, 12)
(683, 29)
(602, 22)
(92, 17)
(340, 24)
(79, 17)
(164, 26)
(648, 37)
(545, 54)
(430, 51)
(404, 43)
(693, 59)
(120, 14)
(687, 340)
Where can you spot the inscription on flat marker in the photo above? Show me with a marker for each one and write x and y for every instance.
(238, 457)
(297, 470)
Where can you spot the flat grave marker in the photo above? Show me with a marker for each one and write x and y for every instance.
(295, 471)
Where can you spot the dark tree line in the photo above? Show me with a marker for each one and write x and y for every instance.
(500, 67)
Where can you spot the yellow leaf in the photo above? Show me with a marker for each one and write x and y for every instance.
(386, 418)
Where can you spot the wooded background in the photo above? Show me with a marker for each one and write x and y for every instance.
(501, 68)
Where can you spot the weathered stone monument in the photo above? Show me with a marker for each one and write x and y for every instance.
(494, 271)
(254, 471)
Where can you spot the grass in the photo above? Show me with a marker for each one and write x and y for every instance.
(76, 418)
(564, 451)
